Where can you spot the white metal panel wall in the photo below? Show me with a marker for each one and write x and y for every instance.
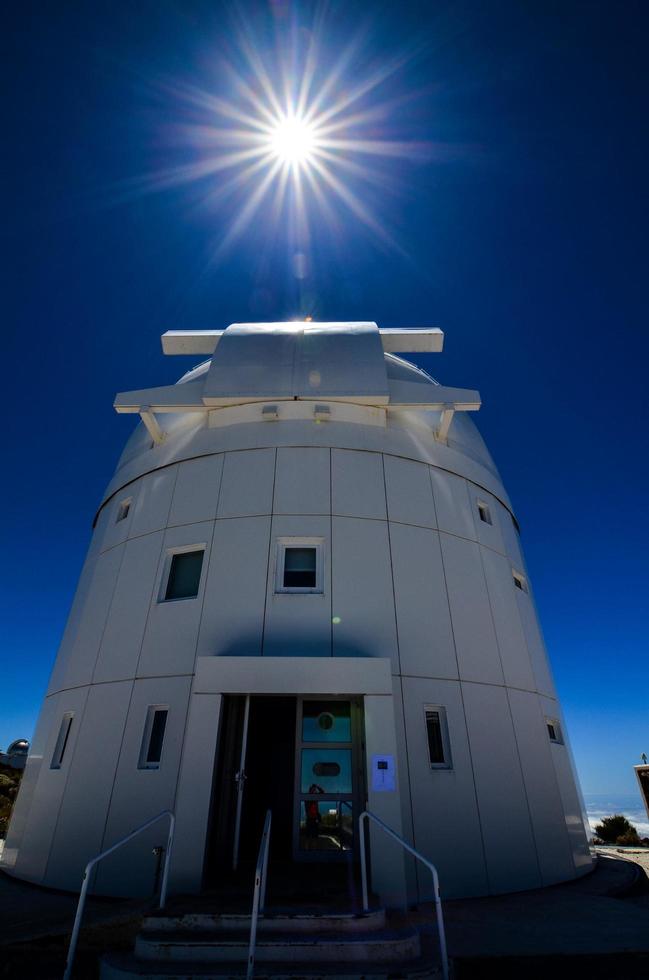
(570, 796)
(171, 635)
(388, 874)
(363, 601)
(84, 808)
(122, 638)
(298, 624)
(509, 630)
(487, 534)
(541, 786)
(76, 660)
(36, 761)
(452, 504)
(302, 481)
(140, 794)
(232, 620)
(196, 492)
(535, 645)
(409, 492)
(357, 484)
(475, 638)
(247, 483)
(109, 530)
(195, 792)
(405, 791)
(444, 809)
(426, 646)
(51, 785)
(511, 538)
(153, 502)
(510, 850)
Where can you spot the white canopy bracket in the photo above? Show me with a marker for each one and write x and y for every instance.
(151, 423)
(445, 423)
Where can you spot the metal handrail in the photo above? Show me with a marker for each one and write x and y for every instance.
(86, 880)
(368, 815)
(259, 894)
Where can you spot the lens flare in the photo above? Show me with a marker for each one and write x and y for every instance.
(293, 140)
(296, 137)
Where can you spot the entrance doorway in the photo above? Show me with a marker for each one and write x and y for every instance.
(300, 757)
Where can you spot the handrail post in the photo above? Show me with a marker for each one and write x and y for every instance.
(76, 928)
(361, 836)
(165, 873)
(368, 815)
(259, 893)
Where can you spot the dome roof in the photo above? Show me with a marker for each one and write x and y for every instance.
(19, 747)
(398, 369)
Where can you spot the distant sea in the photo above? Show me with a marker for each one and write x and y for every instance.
(600, 805)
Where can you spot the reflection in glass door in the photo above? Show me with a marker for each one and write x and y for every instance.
(328, 777)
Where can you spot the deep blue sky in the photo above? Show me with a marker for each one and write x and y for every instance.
(524, 236)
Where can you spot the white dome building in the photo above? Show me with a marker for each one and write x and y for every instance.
(306, 566)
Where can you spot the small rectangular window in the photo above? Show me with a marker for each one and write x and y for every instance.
(299, 568)
(520, 581)
(184, 576)
(123, 509)
(484, 512)
(153, 737)
(62, 740)
(299, 565)
(439, 754)
(554, 730)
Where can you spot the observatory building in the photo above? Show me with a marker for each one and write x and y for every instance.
(305, 592)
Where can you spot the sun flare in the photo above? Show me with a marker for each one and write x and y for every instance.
(293, 140)
(294, 137)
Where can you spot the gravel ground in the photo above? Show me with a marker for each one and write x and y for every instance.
(637, 855)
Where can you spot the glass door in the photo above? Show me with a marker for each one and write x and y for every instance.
(328, 778)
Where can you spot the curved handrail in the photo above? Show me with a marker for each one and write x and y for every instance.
(368, 815)
(259, 894)
(72, 948)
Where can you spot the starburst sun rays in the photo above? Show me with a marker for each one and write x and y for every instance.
(289, 138)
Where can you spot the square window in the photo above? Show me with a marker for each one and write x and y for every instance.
(62, 740)
(184, 577)
(123, 509)
(153, 736)
(299, 565)
(439, 753)
(554, 730)
(299, 568)
(484, 512)
(520, 581)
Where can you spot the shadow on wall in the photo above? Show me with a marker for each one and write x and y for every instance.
(291, 645)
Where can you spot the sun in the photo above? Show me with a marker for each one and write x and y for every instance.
(297, 136)
(293, 140)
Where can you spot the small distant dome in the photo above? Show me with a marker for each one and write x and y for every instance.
(19, 747)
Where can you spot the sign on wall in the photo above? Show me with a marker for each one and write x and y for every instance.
(383, 774)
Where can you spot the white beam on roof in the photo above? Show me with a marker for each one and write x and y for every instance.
(187, 397)
(190, 341)
(406, 340)
(396, 340)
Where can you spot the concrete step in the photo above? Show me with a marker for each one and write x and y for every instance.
(377, 946)
(296, 922)
(124, 966)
